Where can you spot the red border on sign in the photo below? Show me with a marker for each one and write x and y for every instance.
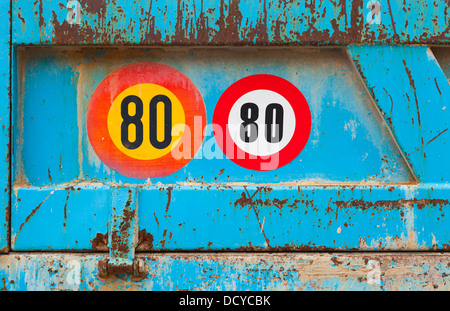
(117, 82)
(271, 83)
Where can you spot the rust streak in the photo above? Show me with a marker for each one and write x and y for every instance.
(41, 17)
(437, 136)
(31, 215)
(163, 241)
(437, 86)
(156, 218)
(411, 81)
(392, 102)
(65, 209)
(169, 198)
(423, 145)
(394, 204)
(396, 36)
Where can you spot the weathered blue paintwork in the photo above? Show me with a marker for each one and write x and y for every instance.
(224, 218)
(231, 22)
(412, 92)
(230, 271)
(373, 176)
(350, 144)
(5, 53)
(349, 141)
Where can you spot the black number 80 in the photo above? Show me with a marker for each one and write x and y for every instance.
(249, 128)
(137, 122)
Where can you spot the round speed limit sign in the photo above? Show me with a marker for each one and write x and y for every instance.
(265, 122)
(139, 114)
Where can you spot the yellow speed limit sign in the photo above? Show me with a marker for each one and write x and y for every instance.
(139, 114)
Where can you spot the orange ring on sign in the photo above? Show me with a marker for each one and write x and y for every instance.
(119, 81)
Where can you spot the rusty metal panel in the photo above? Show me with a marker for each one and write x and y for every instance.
(230, 271)
(234, 22)
(351, 188)
(372, 176)
(5, 53)
(248, 218)
(343, 116)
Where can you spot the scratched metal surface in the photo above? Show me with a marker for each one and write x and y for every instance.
(4, 126)
(212, 272)
(219, 22)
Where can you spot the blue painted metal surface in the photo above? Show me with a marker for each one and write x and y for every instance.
(71, 226)
(373, 176)
(411, 91)
(5, 54)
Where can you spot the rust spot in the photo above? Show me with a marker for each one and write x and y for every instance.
(93, 6)
(336, 261)
(65, 33)
(145, 241)
(100, 242)
(118, 244)
(120, 269)
(396, 204)
(246, 200)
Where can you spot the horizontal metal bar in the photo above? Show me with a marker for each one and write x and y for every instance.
(227, 218)
(239, 22)
(231, 271)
